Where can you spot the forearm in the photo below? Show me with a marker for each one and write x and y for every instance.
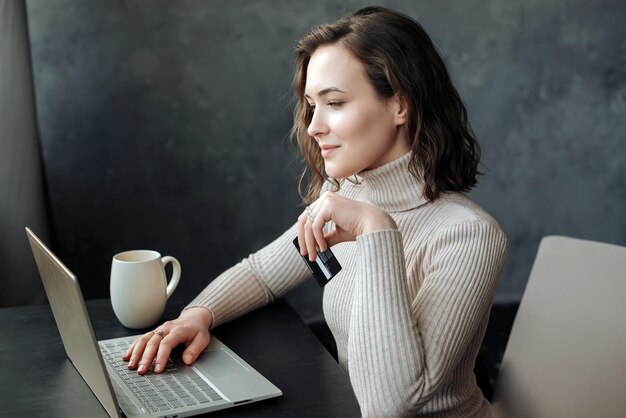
(254, 282)
(385, 357)
(232, 294)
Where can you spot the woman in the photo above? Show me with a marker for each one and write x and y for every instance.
(389, 154)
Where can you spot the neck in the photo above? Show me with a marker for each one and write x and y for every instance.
(391, 186)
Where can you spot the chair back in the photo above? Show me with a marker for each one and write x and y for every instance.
(566, 354)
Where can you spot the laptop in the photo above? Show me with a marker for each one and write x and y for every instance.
(219, 379)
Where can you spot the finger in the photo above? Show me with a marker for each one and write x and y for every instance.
(152, 346)
(318, 229)
(193, 350)
(333, 238)
(302, 219)
(138, 346)
(338, 235)
(126, 356)
(168, 343)
(310, 243)
(303, 223)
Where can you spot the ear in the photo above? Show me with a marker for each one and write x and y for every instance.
(399, 108)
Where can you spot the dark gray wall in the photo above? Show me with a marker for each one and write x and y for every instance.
(164, 124)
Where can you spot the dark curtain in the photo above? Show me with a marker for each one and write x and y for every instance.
(22, 191)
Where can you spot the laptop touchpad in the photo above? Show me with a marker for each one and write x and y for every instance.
(219, 363)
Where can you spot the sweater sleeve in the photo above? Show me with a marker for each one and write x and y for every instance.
(400, 350)
(255, 281)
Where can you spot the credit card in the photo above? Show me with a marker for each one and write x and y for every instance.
(325, 266)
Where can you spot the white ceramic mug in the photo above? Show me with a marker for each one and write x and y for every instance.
(139, 289)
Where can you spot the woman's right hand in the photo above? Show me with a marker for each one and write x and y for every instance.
(351, 219)
(190, 328)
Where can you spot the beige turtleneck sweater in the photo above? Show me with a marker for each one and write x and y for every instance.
(408, 310)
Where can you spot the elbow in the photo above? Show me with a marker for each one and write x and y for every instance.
(388, 409)
(400, 403)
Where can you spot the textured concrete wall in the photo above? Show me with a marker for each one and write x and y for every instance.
(164, 123)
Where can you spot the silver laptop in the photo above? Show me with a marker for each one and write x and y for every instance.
(218, 379)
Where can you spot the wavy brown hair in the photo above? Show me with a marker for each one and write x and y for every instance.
(398, 57)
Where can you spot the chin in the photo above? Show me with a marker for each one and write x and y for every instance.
(338, 171)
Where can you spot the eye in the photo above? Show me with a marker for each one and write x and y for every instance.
(335, 104)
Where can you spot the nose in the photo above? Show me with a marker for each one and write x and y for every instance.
(318, 125)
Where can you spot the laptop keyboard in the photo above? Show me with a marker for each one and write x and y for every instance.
(164, 391)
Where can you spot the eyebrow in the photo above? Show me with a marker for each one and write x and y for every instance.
(325, 92)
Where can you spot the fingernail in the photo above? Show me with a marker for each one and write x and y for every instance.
(188, 358)
(132, 363)
(157, 368)
(141, 368)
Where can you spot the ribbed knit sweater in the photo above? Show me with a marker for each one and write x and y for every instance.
(410, 307)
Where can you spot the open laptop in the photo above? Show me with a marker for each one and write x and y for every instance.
(218, 379)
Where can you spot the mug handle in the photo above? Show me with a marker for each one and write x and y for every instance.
(171, 286)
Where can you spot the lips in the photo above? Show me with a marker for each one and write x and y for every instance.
(327, 150)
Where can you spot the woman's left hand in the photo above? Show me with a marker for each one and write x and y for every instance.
(351, 219)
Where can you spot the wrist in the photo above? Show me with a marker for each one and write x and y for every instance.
(380, 222)
(200, 313)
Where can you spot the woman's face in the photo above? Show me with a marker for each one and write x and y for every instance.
(355, 129)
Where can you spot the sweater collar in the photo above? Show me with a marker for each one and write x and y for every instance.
(391, 186)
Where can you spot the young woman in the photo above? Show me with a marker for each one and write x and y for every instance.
(389, 154)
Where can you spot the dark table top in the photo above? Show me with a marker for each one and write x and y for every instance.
(38, 380)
